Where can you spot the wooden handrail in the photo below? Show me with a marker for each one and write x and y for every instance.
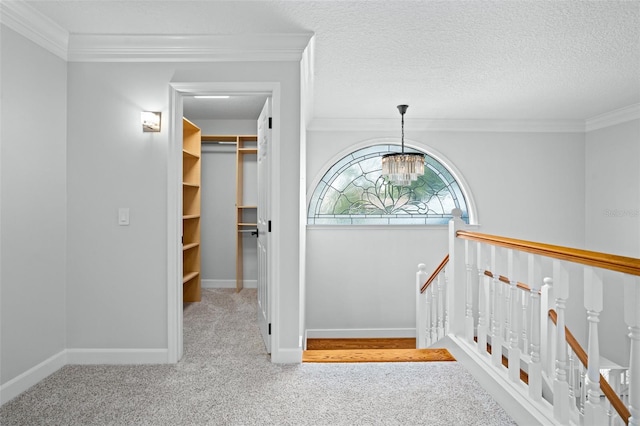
(628, 265)
(435, 274)
(506, 280)
(613, 398)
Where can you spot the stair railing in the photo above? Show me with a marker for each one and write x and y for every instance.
(612, 396)
(431, 319)
(479, 310)
(576, 358)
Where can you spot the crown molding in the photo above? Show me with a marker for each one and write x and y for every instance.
(33, 25)
(187, 48)
(622, 115)
(517, 126)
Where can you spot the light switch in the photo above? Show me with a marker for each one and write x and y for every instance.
(123, 216)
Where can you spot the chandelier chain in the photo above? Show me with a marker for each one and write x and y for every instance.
(402, 139)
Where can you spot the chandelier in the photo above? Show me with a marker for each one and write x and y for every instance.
(399, 168)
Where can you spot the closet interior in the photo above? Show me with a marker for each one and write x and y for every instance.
(219, 203)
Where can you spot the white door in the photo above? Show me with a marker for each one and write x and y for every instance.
(264, 224)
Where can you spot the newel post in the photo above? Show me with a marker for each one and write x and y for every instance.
(632, 318)
(593, 409)
(421, 307)
(457, 281)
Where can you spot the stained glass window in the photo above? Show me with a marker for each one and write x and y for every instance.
(353, 192)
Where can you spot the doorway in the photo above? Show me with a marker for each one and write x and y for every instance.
(178, 93)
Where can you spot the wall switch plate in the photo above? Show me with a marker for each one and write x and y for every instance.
(123, 216)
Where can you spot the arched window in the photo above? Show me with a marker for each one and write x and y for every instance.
(353, 192)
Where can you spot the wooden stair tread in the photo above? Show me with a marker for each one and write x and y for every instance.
(362, 343)
(377, 355)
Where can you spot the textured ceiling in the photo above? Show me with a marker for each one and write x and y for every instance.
(557, 60)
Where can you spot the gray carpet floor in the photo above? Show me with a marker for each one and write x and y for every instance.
(226, 378)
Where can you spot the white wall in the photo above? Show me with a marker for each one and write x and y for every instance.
(33, 238)
(227, 127)
(526, 185)
(613, 189)
(116, 293)
(361, 281)
(218, 219)
(117, 277)
(612, 205)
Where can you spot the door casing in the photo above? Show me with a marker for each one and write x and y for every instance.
(174, 194)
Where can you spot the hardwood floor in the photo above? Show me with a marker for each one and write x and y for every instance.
(394, 343)
(371, 350)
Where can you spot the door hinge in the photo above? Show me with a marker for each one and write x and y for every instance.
(270, 122)
(269, 226)
(269, 329)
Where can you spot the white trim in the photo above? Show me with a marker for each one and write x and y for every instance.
(287, 356)
(450, 125)
(174, 228)
(37, 27)
(359, 333)
(276, 260)
(33, 25)
(117, 356)
(32, 376)
(228, 283)
(611, 118)
(186, 47)
(512, 396)
(306, 112)
(174, 313)
(464, 186)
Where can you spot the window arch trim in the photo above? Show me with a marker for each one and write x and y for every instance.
(444, 161)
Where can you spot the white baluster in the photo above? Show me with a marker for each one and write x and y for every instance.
(515, 309)
(572, 380)
(433, 321)
(547, 340)
(496, 317)
(593, 409)
(632, 318)
(445, 285)
(535, 367)
(583, 388)
(560, 385)
(525, 321)
(505, 308)
(421, 307)
(483, 299)
(441, 305)
(534, 278)
(469, 323)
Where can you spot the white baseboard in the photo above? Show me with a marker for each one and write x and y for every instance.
(31, 377)
(117, 356)
(24, 381)
(227, 283)
(355, 333)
